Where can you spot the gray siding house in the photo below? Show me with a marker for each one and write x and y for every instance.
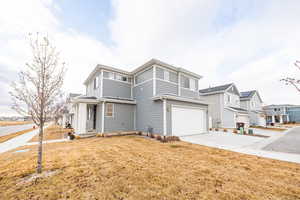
(225, 108)
(282, 113)
(251, 101)
(155, 97)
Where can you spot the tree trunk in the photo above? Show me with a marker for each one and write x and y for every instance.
(40, 149)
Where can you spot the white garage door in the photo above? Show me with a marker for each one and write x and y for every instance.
(243, 119)
(188, 121)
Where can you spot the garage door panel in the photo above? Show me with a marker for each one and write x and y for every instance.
(188, 121)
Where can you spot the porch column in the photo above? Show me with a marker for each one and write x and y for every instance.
(273, 118)
(280, 119)
(165, 116)
(81, 118)
(287, 118)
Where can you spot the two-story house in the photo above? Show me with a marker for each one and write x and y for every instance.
(225, 109)
(155, 97)
(281, 113)
(251, 101)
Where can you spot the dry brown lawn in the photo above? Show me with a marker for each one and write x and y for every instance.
(13, 123)
(53, 132)
(10, 136)
(132, 167)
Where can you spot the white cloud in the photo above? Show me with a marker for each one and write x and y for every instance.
(254, 52)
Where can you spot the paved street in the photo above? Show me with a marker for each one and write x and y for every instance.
(289, 143)
(5, 130)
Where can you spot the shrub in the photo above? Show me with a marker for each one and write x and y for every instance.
(210, 129)
(151, 135)
(235, 131)
(225, 130)
(158, 137)
(216, 129)
(139, 133)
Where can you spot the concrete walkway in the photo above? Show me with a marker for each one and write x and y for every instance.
(6, 130)
(48, 141)
(18, 141)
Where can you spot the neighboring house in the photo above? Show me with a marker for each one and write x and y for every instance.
(68, 115)
(282, 113)
(156, 97)
(225, 108)
(252, 102)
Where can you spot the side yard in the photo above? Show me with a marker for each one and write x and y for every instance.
(133, 167)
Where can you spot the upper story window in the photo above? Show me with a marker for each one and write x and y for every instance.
(166, 75)
(193, 84)
(116, 76)
(96, 82)
(228, 98)
(189, 83)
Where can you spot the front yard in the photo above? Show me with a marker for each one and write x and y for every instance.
(133, 167)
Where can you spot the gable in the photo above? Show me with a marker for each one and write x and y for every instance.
(233, 89)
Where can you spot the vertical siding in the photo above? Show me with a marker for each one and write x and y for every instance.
(122, 119)
(164, 87)
(112, 88)
(148, 112)
(99, 118)
(169, 112)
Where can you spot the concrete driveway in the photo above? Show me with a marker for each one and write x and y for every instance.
(252, 145)
(288, 143)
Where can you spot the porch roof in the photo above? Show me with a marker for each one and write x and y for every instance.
(178, 98)
(94, 100)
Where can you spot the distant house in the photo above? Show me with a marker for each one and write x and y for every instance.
(282, 113)
(225, 108)
(155, 97)
(251, 101)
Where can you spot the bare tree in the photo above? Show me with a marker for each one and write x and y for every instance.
(39, 86)
(293, 81)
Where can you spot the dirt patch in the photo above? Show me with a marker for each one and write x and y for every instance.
(35, 177)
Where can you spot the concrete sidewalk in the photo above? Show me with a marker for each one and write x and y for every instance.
(18, 141)
(48, 141)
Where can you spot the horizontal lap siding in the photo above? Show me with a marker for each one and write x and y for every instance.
(189, 93)
(163, 87)
(169, 112)
(112, 88)
(148, 112)
(123, 119)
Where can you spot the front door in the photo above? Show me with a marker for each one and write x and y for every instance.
(94, 117)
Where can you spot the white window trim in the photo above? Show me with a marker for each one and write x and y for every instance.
(115, 79)
(113, 110)
(166, 75)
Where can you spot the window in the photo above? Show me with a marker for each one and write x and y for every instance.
(228, 98)
(193, 84)
(185, 82)
(166, 75)
(111, 75)
(96, 82)
(118, 77)
(109, 110)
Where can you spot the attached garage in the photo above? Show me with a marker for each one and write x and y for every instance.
(188, 120)
(243, 118)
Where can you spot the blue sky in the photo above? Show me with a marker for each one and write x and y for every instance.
(252, 43)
